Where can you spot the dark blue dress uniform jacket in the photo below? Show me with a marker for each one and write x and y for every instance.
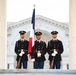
(21, 45)
(55, 44)
(39, 46)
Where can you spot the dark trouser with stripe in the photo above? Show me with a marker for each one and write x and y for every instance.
(23, 64)
(56, 64)
(38, 65)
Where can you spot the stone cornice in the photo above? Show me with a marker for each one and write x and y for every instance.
(38, 17)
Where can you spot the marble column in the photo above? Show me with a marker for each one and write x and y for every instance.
(3, 50)
(72, 34)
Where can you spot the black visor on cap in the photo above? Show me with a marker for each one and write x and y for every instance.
(54, 32)
(22, 32)
(38, 33)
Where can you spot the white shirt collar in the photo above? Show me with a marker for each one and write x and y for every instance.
(55, 39)
(22, 39)
(38, 40)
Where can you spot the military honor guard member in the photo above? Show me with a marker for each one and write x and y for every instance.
(39, 51)
(21, 48)
(55, 49)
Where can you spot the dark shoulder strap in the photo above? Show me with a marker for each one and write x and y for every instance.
(49, 42)
(26, 40)
(35, 44)
(43, 43)
(17, 43)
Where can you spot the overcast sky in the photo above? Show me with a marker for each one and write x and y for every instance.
(54, 9)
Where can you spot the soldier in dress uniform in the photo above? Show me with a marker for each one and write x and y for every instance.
(55, 49)
(21, 48)
(39, 51)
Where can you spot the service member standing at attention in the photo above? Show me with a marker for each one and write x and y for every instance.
(21, 47)
(55, 49)
(39, 51)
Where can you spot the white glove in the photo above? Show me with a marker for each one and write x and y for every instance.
(55, 52)
(39, 54)
(33, 60)
(21, 53)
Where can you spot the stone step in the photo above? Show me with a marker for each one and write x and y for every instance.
(38, 72)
